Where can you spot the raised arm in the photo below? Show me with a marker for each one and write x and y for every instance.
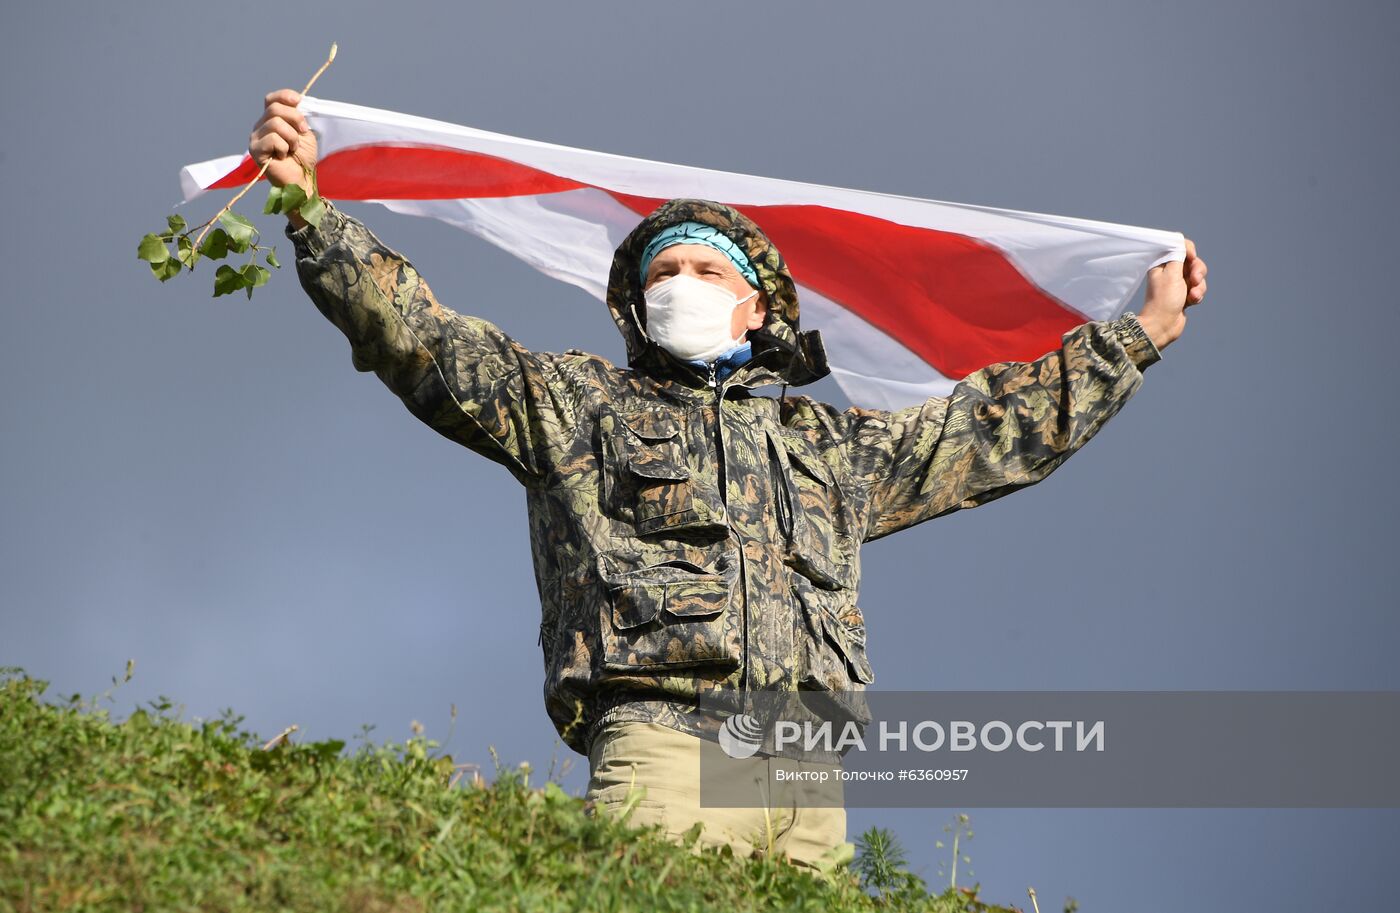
(461, 375)
(1004, 427)
(1011, 424)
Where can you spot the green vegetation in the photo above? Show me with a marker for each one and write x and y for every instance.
(154, 813)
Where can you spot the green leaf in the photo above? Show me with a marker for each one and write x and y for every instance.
(176, 223)
(255, 275)
(238, 245)
(215, 244)
(292, 197)
(186, 253)
(271, 257)
(153, 250)
(313, 210)
(227, 280)
(274, 201)
(240, 230)
(328, 750)
(553, 792)
(166, 269)
(692, 833)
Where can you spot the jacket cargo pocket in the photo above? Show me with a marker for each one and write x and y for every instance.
(646, 480)
(834, 645)
(671, 613)
(812, 514)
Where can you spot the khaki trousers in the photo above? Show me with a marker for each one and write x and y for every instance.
(788, 817)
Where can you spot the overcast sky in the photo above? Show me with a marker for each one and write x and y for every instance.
(208, 487)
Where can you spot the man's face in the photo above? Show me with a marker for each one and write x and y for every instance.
(705, 263)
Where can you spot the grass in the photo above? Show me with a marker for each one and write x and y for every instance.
(155, 813)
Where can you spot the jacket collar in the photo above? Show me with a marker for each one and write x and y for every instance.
(728, 362)
(762, 367)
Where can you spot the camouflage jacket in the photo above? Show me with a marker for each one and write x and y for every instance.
(690, 536)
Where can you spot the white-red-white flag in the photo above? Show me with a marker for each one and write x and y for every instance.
(911, 295)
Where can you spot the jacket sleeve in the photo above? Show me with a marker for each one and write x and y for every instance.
(461, 375)
(1004, 427)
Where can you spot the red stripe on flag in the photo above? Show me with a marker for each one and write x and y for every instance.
(954, 301)
(390, 172)
(239, 176)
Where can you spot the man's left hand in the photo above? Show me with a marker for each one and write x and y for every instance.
(1171, 289)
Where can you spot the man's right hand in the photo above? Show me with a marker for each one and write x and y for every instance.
(282, 136)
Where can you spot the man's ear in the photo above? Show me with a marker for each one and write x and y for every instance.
(760, 312)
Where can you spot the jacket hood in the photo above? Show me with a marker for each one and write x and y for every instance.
(780, 348)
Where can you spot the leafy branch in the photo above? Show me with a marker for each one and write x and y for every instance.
(235, 234)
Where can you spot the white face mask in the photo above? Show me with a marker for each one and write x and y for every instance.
(690, 318)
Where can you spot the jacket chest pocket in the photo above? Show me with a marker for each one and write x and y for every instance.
(669, 611)
(812, 514)
(647, 481)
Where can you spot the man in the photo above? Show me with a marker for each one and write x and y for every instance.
(692, 538)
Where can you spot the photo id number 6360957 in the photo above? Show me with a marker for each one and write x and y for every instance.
(924, 773)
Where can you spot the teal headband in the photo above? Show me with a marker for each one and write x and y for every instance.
(698, 233)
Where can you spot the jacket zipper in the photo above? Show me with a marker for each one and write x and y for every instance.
(719, 432)
(720, 389)
(722, 473)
